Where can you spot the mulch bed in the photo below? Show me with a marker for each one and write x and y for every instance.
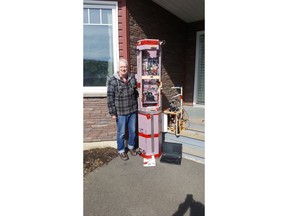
(97, 157)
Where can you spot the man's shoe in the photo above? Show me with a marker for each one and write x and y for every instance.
(133, 152)
(124, 156)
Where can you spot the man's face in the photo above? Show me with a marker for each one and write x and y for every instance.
(122, 69)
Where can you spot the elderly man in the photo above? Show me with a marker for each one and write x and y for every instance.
(122, 104)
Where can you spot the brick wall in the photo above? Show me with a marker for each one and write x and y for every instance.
(98, 124)
(148, 20)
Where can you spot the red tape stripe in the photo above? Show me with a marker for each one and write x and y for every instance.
(147, 42)
(147, 135)
(150, 156)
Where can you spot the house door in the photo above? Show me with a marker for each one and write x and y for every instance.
(199, 85)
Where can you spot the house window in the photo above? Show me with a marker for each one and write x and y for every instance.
(199, 91)
(100, 45)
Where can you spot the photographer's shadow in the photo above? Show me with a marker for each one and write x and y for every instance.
(196, 208)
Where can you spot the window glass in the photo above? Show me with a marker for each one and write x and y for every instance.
(85, 15)
(98, 55)
(94, 16)
(106, 16)
(201, 72)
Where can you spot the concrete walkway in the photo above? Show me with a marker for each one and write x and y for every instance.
(127, 188)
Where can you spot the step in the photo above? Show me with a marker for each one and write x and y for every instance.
(195, 127)
(196, 134)
(191, 146)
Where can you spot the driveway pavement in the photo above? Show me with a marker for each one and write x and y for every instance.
(129, 189)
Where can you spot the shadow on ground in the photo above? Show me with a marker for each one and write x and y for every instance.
(196, 208)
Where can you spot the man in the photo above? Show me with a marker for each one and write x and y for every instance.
(122, 104)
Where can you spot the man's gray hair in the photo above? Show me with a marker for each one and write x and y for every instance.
(123, 60)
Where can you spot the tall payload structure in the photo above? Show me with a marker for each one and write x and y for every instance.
(150, 99)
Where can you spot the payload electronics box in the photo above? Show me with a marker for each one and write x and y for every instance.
(149, 101)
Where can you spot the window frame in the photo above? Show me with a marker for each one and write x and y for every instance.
(101, 91)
